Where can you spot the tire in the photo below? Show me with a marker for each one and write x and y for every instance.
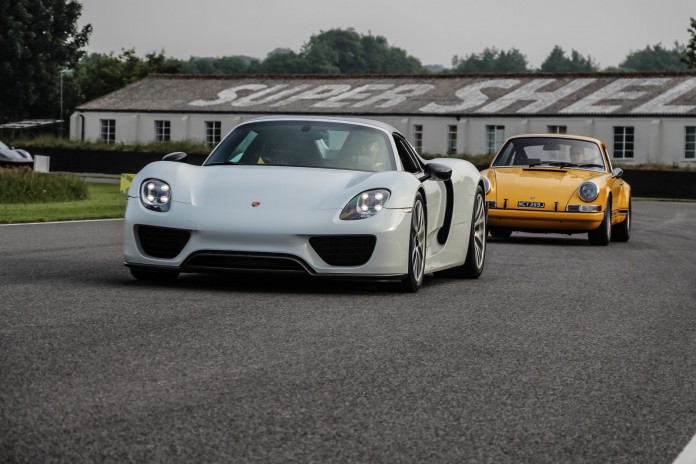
(416, 248)
(622, 231)
(601, 236)
(153, 275)
(498, 232)
(476, 250)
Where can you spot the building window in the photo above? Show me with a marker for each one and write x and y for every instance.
(623, 141)
(418, 137)
(495, 136)
(690, 143)
(212, 133)
(451, 140)
(107, 131)
(163, 131)
(558, 129)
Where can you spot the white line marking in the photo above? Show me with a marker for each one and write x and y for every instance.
(688, 454)
(60, 222)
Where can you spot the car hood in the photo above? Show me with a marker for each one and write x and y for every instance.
(11, 155)
(276, 188)
(551, 186)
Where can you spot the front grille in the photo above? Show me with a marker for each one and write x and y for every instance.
(344, 250)
(162, 242)
(217, 260)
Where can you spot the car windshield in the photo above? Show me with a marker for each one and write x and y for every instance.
(306, 143)
(3, 146)
(552, 152)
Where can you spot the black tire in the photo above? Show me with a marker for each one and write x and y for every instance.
(416, 248)
(622, 231)
(499, 232)
(601, 236)
(153, 275)
(476, 251)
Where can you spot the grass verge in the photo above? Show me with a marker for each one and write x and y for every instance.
(105, 201)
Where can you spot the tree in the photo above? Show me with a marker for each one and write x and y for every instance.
(656, 58)
(558, 62)
(98, 74)
(344, 51)
(689, 58)
(491, 60)
(39, 39)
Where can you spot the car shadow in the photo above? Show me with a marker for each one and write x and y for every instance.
(553, 240)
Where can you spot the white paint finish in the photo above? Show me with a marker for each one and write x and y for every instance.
(270, 95)
(660, 104)
(614, 91)
(688, 454)
(359, 93)
(470, 96)
(395, 96)
(227, 95)
(317, 93)
(530, 92)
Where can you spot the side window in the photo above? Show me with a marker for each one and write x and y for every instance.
(408, 158)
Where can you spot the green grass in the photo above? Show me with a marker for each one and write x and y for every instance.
(105, 201)
(22, 185)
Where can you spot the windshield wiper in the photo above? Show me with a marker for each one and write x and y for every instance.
(560, 164)
(218, 163)
(590, 165)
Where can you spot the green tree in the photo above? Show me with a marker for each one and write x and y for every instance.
(223, 65)
(558, 62)
(656, 58)
(39, 39)
(689, 58)
(98, 74)
(344, 51)
(491, 60)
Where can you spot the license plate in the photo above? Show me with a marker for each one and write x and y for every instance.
(530, 204)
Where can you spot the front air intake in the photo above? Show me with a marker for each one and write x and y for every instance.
(344, 250)
(162, 242)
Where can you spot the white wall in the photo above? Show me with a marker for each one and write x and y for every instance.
(656, 140)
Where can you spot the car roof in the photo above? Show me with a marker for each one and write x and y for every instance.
(558, 136)
(347, 120)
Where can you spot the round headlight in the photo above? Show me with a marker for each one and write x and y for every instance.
(486, 184)
(155, 195)
(365, 204)
(588, 191)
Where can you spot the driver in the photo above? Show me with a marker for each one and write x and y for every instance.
(577, 155)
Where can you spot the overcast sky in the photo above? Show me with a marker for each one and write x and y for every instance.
(431, 30)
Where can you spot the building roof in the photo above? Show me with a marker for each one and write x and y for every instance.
(659, 94)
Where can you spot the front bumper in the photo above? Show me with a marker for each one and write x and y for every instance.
(223, 238)
(544, 220)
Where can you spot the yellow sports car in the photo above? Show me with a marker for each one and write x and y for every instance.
(559, 184)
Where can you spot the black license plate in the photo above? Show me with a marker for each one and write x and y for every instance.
(530, 204)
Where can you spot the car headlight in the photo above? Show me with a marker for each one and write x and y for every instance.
(486, 184)
(156, 195)
(588, 191)
(365, 204)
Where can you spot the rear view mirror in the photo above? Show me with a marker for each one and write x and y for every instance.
(178, 156)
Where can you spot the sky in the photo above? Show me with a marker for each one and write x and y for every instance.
(433, 31)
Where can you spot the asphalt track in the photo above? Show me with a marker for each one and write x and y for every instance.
(561, 353)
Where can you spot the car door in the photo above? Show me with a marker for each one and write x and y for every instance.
(434, 190)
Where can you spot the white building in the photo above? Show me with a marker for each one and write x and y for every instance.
(643, 118)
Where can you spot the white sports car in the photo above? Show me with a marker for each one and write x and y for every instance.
(328, 197)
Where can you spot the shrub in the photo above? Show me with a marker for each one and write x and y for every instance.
(22, 185)
(189, 146)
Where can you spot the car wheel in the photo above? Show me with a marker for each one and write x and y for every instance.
(622, 231)
(476, 251)
(416, 248)
(499, 232)
(153, 275)
(602, 235)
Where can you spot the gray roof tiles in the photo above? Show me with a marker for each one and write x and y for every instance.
(475, 95)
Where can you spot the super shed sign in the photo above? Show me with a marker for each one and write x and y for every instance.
(477, 96)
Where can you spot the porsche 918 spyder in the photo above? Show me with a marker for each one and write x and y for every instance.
(327, 197)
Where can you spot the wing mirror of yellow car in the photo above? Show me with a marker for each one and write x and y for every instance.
(438, 171)
(617, 172)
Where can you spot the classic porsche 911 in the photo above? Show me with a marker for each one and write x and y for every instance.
(557, 183)
(327, 197)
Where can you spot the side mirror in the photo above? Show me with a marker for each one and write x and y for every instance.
(438, 171)
(617, 172)
(178, 156)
